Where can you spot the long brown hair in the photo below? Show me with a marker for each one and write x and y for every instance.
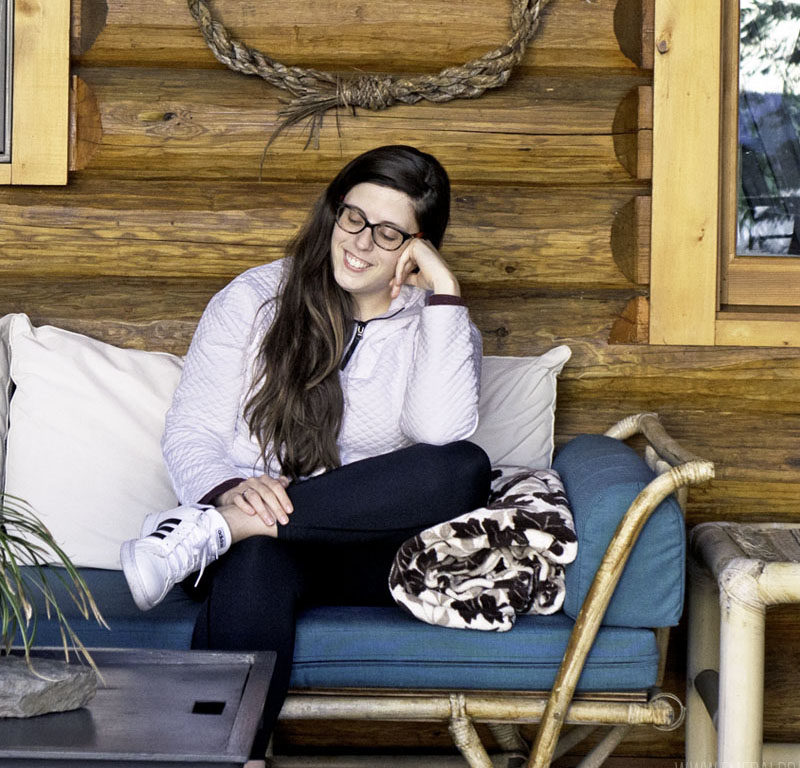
(296, 407)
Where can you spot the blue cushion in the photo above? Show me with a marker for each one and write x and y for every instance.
(383, 647)
(168, 625)
(602, 476)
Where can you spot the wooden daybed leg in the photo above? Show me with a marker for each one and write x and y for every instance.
(605, 747)
(741, 659)
(465, 737)
(702, 663)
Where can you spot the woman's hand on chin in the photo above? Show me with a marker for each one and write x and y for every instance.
(432, 272)
(263, 496)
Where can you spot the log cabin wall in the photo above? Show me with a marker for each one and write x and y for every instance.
(549, 233)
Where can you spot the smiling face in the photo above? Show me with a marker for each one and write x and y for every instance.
(361, 267)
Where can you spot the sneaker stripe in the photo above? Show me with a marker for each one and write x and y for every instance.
(165, 528)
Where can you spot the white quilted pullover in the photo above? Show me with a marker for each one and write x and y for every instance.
(413, 377)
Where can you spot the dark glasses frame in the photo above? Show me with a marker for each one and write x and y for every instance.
(367, 223)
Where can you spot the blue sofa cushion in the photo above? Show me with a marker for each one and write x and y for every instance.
(385, 647)
(382, 647)
(169, 625)
(602, 476)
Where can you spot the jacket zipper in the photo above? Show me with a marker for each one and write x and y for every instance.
(359, 334)
(360, 326)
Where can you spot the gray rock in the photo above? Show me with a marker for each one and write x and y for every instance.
(58, 688)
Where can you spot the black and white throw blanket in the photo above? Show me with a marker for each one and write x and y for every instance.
(483, 568)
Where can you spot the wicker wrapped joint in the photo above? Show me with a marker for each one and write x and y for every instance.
(736, 571)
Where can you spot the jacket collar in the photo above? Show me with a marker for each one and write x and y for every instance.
(409, 300)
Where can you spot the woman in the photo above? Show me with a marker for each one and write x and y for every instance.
(320, 418)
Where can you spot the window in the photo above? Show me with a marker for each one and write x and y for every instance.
(701, 292)
(34, 77)
(760, 259)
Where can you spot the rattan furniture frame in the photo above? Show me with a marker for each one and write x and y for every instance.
(505, 711)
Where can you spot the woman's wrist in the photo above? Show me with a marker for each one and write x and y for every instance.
(447, 285)
(213, 497)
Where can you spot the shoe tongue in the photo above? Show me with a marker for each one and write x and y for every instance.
(222, 538)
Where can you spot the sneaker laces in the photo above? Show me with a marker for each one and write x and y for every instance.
(189, 544)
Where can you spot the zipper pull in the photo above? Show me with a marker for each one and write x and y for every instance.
(360, 326)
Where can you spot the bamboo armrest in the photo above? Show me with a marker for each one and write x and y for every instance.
(649, 425)
(686, 470)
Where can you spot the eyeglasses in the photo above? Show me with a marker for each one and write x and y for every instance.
(386, 236)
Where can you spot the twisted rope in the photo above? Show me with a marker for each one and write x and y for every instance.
(315, 92)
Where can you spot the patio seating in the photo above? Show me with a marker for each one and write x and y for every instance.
(599, 662)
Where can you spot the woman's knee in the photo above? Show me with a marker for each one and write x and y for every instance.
(462, 457)
(461, 465)
(473, 460)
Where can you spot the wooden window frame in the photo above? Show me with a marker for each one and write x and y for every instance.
(693, 119)
(40, 94)
(744, 280)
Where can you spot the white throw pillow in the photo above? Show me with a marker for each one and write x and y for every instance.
(517, 408)
(84, 438)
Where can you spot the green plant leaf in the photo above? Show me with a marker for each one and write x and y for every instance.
(26, 541)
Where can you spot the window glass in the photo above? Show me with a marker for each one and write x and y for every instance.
(768, 200)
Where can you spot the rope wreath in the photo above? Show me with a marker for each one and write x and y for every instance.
(315, 92)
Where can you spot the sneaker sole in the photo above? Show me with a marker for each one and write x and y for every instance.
(138, 592)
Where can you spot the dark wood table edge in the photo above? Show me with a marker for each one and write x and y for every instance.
(261, 665)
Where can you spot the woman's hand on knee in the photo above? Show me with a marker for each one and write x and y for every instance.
(264, 496)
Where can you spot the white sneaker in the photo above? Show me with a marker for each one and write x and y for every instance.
(177, 542)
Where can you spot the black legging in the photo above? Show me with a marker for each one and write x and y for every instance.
(336, 550)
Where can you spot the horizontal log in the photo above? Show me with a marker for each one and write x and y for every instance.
(161, 313)
(531, 323)
(381, 35)
(680, 389)
(499, 239)
(160, 123)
